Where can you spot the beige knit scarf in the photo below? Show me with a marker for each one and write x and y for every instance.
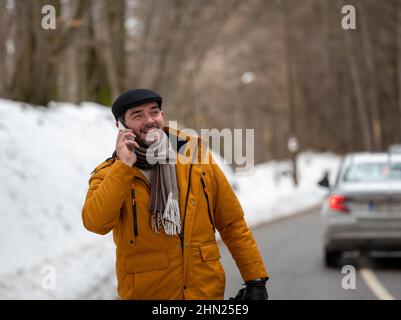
(164, 205)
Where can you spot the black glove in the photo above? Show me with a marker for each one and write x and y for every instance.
(254, 290)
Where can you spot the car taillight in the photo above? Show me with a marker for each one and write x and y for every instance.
(337, 203)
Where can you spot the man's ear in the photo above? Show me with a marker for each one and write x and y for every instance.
(116, 124)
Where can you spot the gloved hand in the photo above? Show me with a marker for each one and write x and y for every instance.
(254, 290)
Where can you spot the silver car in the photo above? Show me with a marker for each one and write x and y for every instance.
(363, 208)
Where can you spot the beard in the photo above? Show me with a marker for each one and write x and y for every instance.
(146, 139)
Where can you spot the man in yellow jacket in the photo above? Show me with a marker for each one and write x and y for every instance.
(164, 198)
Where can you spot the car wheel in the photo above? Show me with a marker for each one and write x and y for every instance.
(332, 258)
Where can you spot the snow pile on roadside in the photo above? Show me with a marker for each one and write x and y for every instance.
(75, 274)
(46, 157)
(269, 192)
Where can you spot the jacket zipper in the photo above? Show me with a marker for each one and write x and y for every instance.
(208, 206)
(185, 211)
(134, 209)
(134, 213)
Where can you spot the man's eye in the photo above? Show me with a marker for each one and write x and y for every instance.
(137, 116)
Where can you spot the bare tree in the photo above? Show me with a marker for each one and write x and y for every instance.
(398, 34)
(334, 89)
(357, 87)
(4, 30)
(290, 85)
(371, 92)
(104, 45)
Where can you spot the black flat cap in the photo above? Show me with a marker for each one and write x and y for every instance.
(133, 98)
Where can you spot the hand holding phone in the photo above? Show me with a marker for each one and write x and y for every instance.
(122, 127)
(126, 144)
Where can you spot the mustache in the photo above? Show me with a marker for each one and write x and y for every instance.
(149, 127)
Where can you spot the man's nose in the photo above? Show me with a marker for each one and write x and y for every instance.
(148, 119)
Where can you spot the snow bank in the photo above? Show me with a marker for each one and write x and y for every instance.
(46, 157)
(269, 193)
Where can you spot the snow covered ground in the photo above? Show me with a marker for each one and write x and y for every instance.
(46, 157)
(269, 193)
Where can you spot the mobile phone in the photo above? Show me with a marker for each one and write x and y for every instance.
(122, 127)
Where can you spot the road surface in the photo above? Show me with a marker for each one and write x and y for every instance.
(292, 251)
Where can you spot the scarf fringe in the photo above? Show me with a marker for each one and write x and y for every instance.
(156, 222)
(169, 219)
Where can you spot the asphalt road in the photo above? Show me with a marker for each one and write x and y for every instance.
(292, 252)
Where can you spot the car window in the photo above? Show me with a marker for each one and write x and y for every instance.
(373, 171)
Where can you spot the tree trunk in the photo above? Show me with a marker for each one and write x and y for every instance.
(399, 62)
(290, 86)
(104, 47)
(371, 78)
(358, 91)
(4, 23)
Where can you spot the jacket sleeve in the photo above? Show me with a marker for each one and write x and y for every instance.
(105, 197)
(230, 222)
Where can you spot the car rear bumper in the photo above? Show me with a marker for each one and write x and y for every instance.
(355, 237)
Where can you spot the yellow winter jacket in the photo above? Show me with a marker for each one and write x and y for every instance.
(157, 266)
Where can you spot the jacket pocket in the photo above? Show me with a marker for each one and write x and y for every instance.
(209, 211)
(209, 276)
(126, 233)
(144, 262)
(148, 270)
(209, 252)
(134, 213)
